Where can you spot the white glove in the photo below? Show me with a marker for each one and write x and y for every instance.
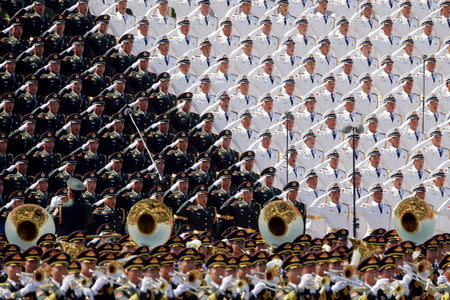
(441, 279)
(9, 204)
(180, 290)
(226, 283)
(339, 286)
(88, 293)
(407, 279)
(29, 288)
(99, 284)
(258, 288)
(4, 293)
(146, 284)
(66, 283)
(78, 292)
(55, 201)
(306, 279)
(378, 285)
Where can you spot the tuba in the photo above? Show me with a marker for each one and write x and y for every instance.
(149, 223)
(280, 222)
(414, 220)
(26, 223)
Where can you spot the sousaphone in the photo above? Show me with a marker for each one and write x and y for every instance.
(26, 224)
(150, 223)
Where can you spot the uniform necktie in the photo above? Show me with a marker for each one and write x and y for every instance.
(411, 60)
(346, 40)
(442, 191)
(348, 3)
(312, 117)
(417, 135)
(291, 99)
(247, 99)
(398, 153)
(390, 3)
(420, 174)
(270, 116)
(390, 39)
(375, 137)
(248, 19)
(295, 171)
(369, 98)
(206, 21)
(335, 173)
(186, 39)
(124, 16)
(268, 40)
(429, 4)
(249, 133)
(433, 76)
(325, 18)
(327, 59)
(351, 116)
(146, 40)
(285, 20)
(208, 62)
(312, 78)
(334, 134)
(291, 135)
(315, 193)
(349, 79)
(440, 151)
(332, 97)
(358, 192)
(377, 171)
(435, 117)
(165, 19)
(429, 40)
(166, 59)
(208, 99)
(292, 60)
(369, 61)
(226, 116)
(409, 21)
(312, 153)
(305, 40)
(400, 193)
(338, 207)
(269, 153)
(380, 207)
(410, 98)
(392, 117)
(370, 23)
(250, 60)
(271, 78)
(187, 78)
(228, 40)
(226, 76)
(265, 4)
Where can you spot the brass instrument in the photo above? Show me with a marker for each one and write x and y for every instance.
(113, 268)
(271, 274)
(422, 267)
(39, 275)
(414, 220)
(349, 271)
(26, 224)
(361, 251)
(149, 223)
(280, 222)
(395, 288)
(193, 276)
(70, 248)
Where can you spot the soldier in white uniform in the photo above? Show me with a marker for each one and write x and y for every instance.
(422, 8)
(335, 213)
(327, 98)
(222, 7)
(388, 119)
(287, 100)
(407, 101)
(432, 79)
(322, 19)
(346, 81)
(96, 8)
(182, 41)
(432, 115)
(435, 154)
(224, 41)
(222, 79)
(384, 7)
(308, 117)
(346, 153)
(298, 7)
(162, 61)
(245, 21)
(265, 43)
(161, 22)
(348, 117)
(385, 80)
(223, 115)
(245, 62)
(393, 156)
(416, 173)
(385, 43)
(329, 137)
(374, 173)
(441, 23)
(243, 100)
(440, 193)
(120, 21)
(265, 81)
(203, 99)
(295, 171)
(347, 192)
(264, 117)
(200, 63)
(286, 135)
(304, 41)
(372, 136)
(364, 62)
(331, 172)
(342, 42)
(139, 8)
(260, 7)
(366, 23)
(142, 40)
(412, 136)
(444, 96)
(265, 155)
(204, 23)
(406, 61)
(343, 7)
(396, 193)
(324, 61)
(443, 60)
(405, 23)
(283, 21)
(244, 134)
(308, 79)
(310, 156)
(365, 100)
(426, 42)
(287, 61)
(183, 7)
(376, 213)
(183, 79)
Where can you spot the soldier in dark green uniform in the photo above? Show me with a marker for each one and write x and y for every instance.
(39, 195)
(174, 199)
(75, 63)
(121, 59)
(161, 138)
(59, 176)
(217, 197)
(96, 81)
(196, 212)
(14, 41)
(9, 79)
(32, 59)
(16, 199)
(136, 157)
(51, 81)
(90, 182)
(73, 101)
(45, 160)
(56, 41)
(93, 121)
(27, 101)
(79, 21)
(114, 176)
(13, 266)
(266, 191)
(161, 100)
(9, 121)
(99, 41)
(130, 196)
(179, 159)
(182, 118)
(90, 160)
(140, 114)
(223, 157)
(5, 158)
(245, 173)
(152, 178)
(117, 98)
(20, 180)
(133, 271)
(115, 139)
(140, 79)
(200, 140)
(35, 21)
(69, 139)
(202, 174)
(109, 213)
(51, 120)
(443, 289)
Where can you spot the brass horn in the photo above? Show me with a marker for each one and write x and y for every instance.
(26, 223)
(414, 220)
(39, 275)
(149, 223)
(280, 222)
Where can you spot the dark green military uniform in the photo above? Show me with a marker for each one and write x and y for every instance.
(139, 80)
(89, 161)
(34, 24)
(37, 196)
(30, 64)
(11, 43)
(71, 102)
(162, 102)
(51, 82)
(47, 121)
(178, 161)
(92, 122)
(54, 43)
(43, 161)
(25, 102)
(135, 160)
(59, 178)
(98, 43)
(17, 181)
(116, 217)
(112, 178)
(22, 141)
(223, 158)
(158, 140)
(93, 83)
(112, 141)
(115, 101)
(78, 24)
(119, 61)
(9, 82)
(69, 142)
(264, 193)
(201, 140)
(13, 259)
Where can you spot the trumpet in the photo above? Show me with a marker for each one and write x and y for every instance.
(38, 277)
(395, 288)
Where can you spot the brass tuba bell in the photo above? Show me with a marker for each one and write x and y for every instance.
(414, 220)
(280, 222)
(149, 223)
(26, 224)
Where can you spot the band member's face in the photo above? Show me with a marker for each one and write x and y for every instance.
(134, 276)
(216, 274)
(294, 274)
(12, 271)
(58, 272)
(187, 265)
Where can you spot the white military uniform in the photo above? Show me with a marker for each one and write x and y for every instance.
(411, 138)
(243, 24)
(388, 121)
(421, 8)
(142, 43)
(365, 103)
(201, 63)
(385, 45)
(305, 82)
(436, 197)
(180, 82)
(444, 101)
(327, 100)
(444, 216)
(404, 63)
(341, 45)
(180, 44)
(393, 196)
(279, 139)
(265, 44)
(183, 7)
(202, 26)
(265, 158)
(369, 139)
(393, 158)
(243, 138)
(384, 7)
(328, 174)
(432, 119)
(345, 83)
(160, 24)
(324, 64)
(403, 26)
(336, 217)
(315, 225)
(119, 24)
(263, 120)
(346, 158)
(282, 24)
(221, 7)
(264, 83)
(377, 215)
(346, 118)
(327, 139)
(222, 119)
(221, 44)
(97, 7)
(200, 101)
(285, 64)
(343, 7)
(259, 7)
(161, 63)
(305, 120)
(443, 63)
(424, 44)
(323, 24)
(432, 81)
(221, 81)
(309, 158)
(303, 44)
(240, 102)
(435, 156)
(297, 7)
(406, 103)
(360, 27)
(412, 176)
(243, 64)
(385, 82)
(363, 64)
(371, 175)
(283, 103)
(441, 26)
(295, 173)
(138, 7)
